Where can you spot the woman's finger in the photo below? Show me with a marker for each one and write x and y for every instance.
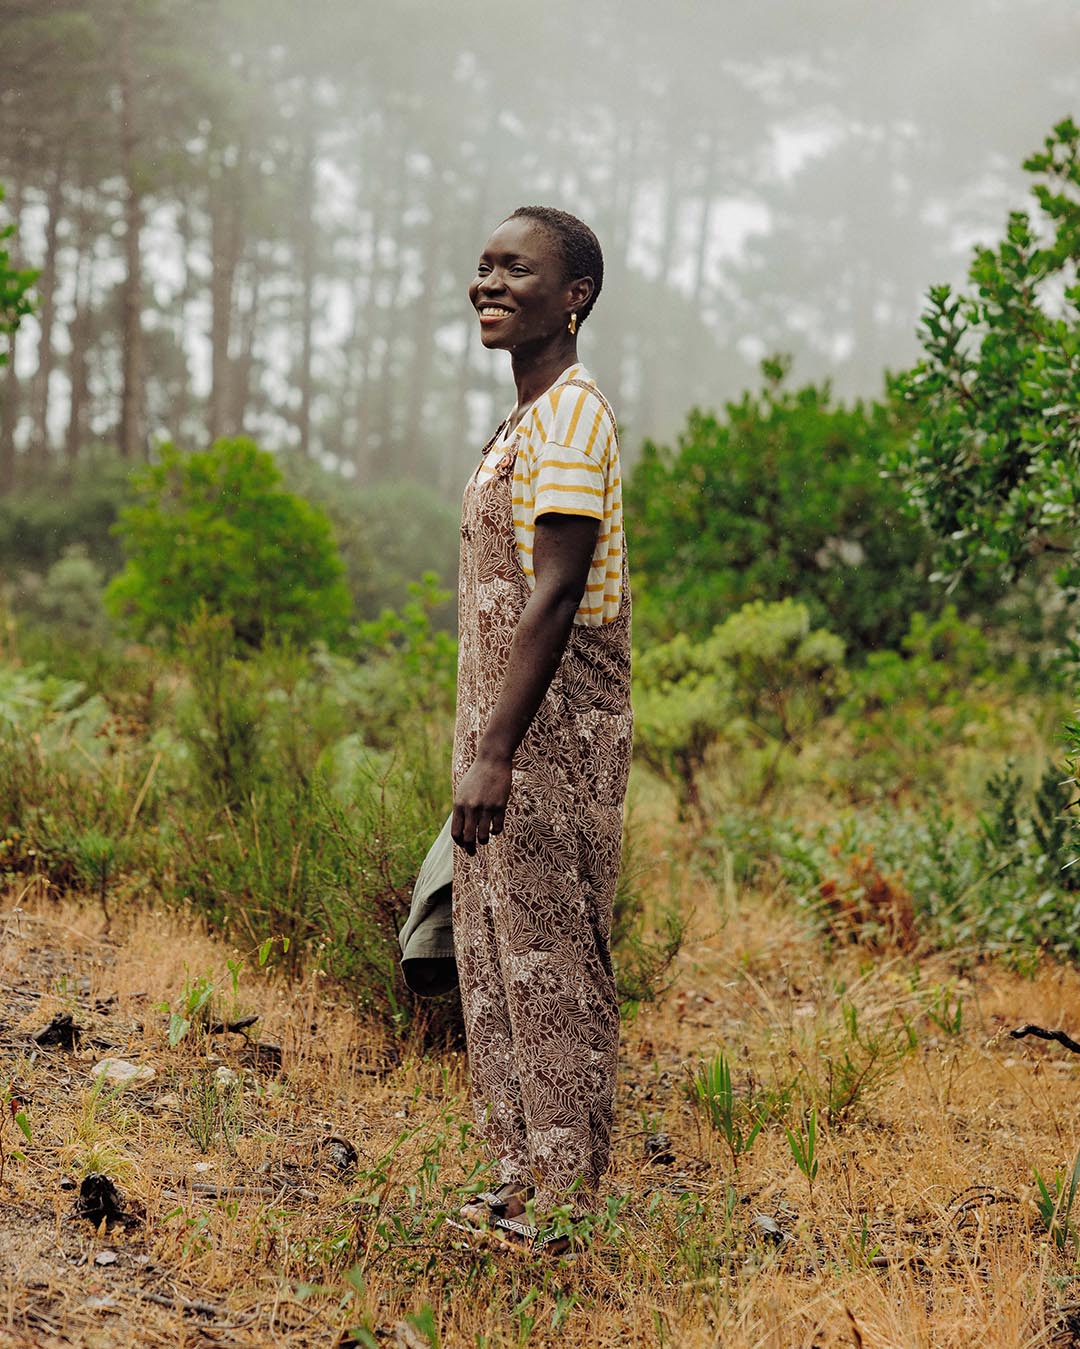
(463, 829)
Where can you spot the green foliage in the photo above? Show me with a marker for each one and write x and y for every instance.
(803, 1144)
(15, 284)
(68, 599)
(737, 1120)
(408, 664)
(642, 958)
(389, 535)
(1004, 882)
(39, 523)
(764, 677)
(221, 723)
(992, 462)
(217, 530)
(1055, 1206)
(866, 1057)
(782, 496)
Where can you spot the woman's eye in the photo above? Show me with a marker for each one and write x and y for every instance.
(519, 271)
(482, 269)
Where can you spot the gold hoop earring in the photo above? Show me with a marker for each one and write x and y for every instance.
(572, 325)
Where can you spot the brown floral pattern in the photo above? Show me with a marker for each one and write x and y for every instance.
(532, 909)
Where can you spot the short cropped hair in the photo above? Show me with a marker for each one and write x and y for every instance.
(580, 247)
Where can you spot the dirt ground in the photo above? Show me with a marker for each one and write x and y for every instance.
(285, 1182)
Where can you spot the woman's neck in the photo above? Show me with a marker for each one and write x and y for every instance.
(535, 373)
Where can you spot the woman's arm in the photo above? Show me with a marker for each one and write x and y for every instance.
(562, 554)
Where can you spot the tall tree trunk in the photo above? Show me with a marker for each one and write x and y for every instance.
(79, 337)
(459, 452)
(131, 433)
(46, 288)
(244, 364)
(699, 281)
(372, 448)
(9, 399)
(183, 411)
(417, 382)
(227, 188)
(660, 364)
(306, 259)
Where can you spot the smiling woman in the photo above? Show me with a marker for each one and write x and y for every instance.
(542, 744)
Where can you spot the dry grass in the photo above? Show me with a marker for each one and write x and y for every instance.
(920, 1228)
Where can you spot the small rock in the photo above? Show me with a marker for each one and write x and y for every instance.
(266, 1056)
(338, 1154)
(169, 1101)
(61, 1032)
(658, 1149)
(203, 1166)
(99, 1200)
(769, 1229)
(117, 1071)
(106, 1258)
(66, 1183)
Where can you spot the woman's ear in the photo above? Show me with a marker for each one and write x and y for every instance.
(581, 292)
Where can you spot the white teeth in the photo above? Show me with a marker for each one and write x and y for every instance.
(494, 311)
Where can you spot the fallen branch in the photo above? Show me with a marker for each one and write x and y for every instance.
(1058, 1035)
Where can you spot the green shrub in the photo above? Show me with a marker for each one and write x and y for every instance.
(68, 599)
(764, 678)
(217, 531)
(408, 665)
(1004, 883)
(946, 687)
(40, 522)
(389, 534)
(781, 496)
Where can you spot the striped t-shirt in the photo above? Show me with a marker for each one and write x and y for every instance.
(567, 463)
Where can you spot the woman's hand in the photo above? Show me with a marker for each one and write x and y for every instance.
(480, 803)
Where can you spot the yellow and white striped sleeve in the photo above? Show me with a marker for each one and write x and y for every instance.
(569, 466)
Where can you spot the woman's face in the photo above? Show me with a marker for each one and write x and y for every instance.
(519, 290)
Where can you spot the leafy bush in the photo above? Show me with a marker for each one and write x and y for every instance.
(1004, 883)
(217, 531)
(764, 677)
(992, 461)
(69, 598)
(42, 521)
(15, 299)
(946, 687)
(390, 534)
(409, 665)
(782, 496)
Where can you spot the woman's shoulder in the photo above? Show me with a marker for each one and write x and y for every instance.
(574, 412)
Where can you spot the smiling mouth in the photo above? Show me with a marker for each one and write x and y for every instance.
(493, 312)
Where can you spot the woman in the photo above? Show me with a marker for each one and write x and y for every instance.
(542, 743)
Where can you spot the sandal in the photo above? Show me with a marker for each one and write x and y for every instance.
(485, 1209)
(524, 1238)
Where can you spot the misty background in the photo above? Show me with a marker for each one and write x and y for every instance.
(261, 216)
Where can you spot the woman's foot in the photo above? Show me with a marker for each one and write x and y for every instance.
(522, 1237)
(507, 1203)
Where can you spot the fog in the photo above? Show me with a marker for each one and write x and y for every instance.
(261, 216)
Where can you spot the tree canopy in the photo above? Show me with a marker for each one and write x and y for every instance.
(993, 463)
(15, 285)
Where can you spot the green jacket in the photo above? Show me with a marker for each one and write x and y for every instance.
(427, 939)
